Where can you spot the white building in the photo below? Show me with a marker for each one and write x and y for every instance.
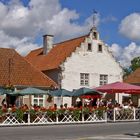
(83, 61)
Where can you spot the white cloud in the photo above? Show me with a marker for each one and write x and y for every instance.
(25, 46)
(20, 45)
(130, 26)
(64, 25)
(125, 54)
(39, 17)
(20, 25)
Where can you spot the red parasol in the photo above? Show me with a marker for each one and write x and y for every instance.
(91, 96)
(119, 87)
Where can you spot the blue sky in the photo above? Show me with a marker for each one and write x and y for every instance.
(115, 8)
(23, 22)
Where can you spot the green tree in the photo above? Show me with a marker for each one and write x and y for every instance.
(135, 63)
(126, 71)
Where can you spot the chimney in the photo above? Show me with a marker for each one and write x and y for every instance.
(47, 43)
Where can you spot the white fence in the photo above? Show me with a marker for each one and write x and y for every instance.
(39, 118)
(128, 114)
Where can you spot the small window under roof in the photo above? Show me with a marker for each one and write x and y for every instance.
(89, 47)
(100, 48)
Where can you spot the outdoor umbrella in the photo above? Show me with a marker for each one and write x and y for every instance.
(30, 91)
(85, 91)
(61, 93)
(13, 93)
(4, 91)
(119, 87)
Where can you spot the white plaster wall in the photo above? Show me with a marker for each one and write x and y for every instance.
(94, 63)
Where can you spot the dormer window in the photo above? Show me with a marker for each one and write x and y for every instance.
(89, 47)
(100, 49)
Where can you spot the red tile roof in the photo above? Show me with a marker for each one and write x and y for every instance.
(21, 72)
(56, 56)
(134, 77)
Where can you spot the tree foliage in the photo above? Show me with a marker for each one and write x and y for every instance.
(127, 72)
(135, 63)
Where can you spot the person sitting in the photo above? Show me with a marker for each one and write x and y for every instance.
(130, 102)
(125, 105)
(79, 104)
(110, 103)
(4, 104)
(55, 106)
(66, 105)
(61, 106)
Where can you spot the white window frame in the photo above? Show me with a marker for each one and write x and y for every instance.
(84, 79)
(103, 79)
(38, 98)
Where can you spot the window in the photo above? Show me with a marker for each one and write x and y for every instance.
(84, 79)
(38, 100)
(89, 47)
(103, 79)
(95, 35)
(99, 48)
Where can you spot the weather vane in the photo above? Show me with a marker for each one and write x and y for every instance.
(94, 18)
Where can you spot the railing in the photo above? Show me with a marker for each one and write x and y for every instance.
(129, 114)
(65, 117)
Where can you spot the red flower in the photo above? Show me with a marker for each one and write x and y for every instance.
(13, 109)
(43, 109)
(4, 110)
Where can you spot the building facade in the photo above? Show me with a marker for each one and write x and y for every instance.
(134, 78)
(17, 73)
(80, 62)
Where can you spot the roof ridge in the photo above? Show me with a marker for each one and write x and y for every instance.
(36, 49)
(71, 39)
(7, 48)
(53, 59)
(61, 42)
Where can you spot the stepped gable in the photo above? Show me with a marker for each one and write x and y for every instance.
(56, 56)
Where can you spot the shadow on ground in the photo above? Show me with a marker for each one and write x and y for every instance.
(133, 134)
